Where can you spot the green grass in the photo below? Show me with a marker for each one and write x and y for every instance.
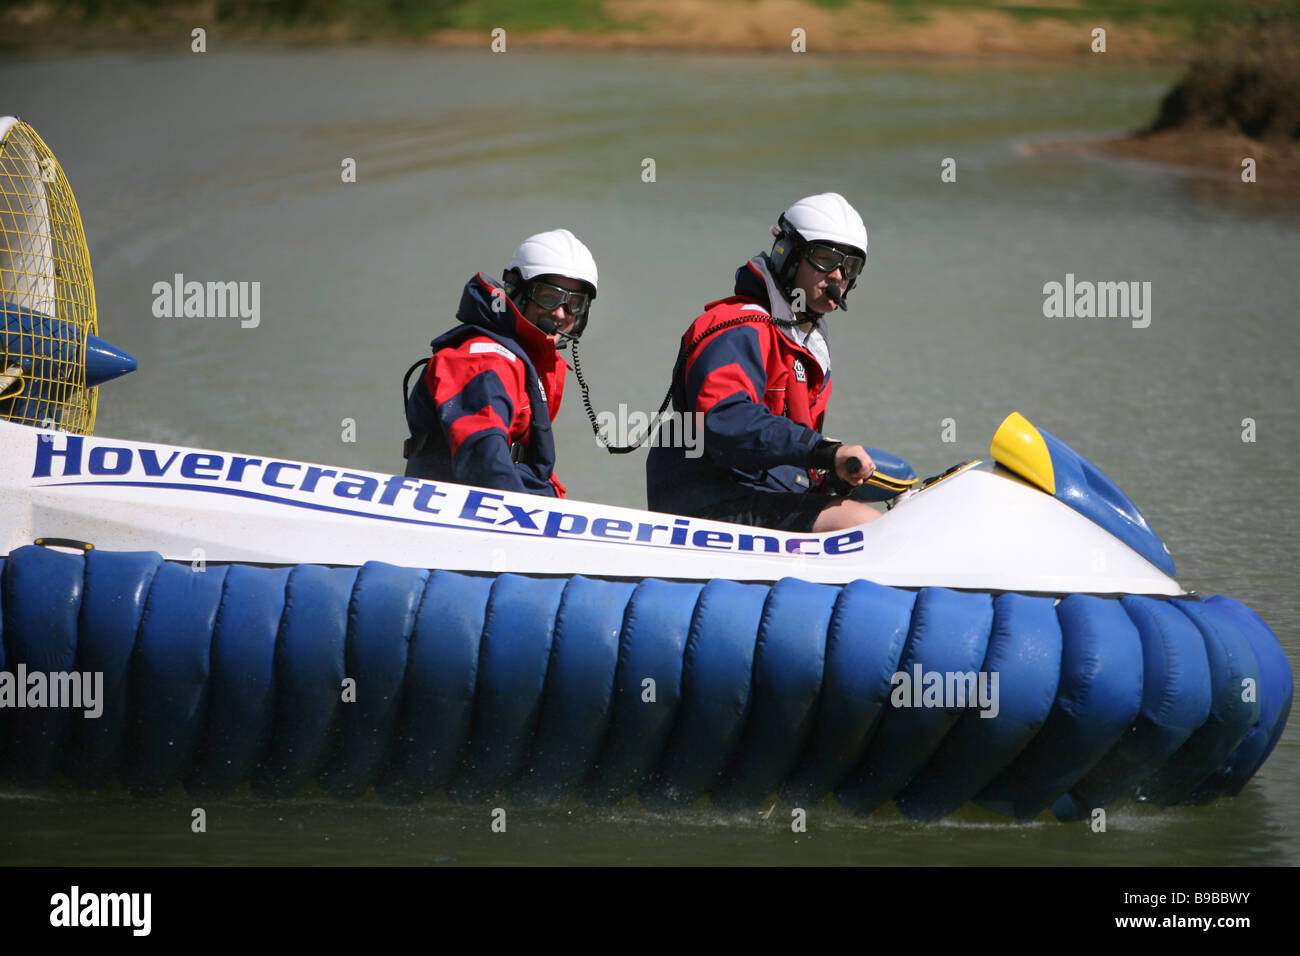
(586, 15)
(369, 17)
(380, 17)
(1191, 15)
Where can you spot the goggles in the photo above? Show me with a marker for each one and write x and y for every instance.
(549, 297)
(825, 258)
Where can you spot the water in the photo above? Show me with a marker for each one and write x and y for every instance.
(226, 166)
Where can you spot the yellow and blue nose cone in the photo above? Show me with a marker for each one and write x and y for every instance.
(1045, 461)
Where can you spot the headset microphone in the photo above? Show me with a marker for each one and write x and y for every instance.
(550, 328)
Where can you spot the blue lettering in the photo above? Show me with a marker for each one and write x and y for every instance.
(522, 517)
(392, 488)
(314, 474)
(770, 544)
(424, 494)
(555, 524)
(363, 489)
(97, 463)
(272, 472)
(705, 539)
(680, 527)
(792, 545)
(644, 532)
(191, 464)
(474, 503)
(607, 528)
(149, 458)
(837, 544)
(237, 465)
(45, 453)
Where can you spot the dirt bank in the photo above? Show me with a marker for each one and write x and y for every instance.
(855, 27)
(1210, 155)
(1236, 107)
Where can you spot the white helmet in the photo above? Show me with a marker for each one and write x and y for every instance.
(828, 217)
(558, 252)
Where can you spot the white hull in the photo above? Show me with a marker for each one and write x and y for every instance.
(980, 529)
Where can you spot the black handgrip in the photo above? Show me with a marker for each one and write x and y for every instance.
(853, 465)
(64, 543)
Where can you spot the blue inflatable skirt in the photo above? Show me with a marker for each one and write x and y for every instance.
(413, 681)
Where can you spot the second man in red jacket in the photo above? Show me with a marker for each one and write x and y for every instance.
(756, 367)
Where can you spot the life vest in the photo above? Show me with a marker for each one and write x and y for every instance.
(533, 451)
(796, 386)
(715, 363)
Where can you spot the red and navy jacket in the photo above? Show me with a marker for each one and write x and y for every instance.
(763, 400)
(493, 386)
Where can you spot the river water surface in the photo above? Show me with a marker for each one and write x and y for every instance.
(227, 166)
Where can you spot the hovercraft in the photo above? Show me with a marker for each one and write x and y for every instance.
(1010, 634)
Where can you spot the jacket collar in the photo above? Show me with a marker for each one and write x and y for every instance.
(754, 281)
(477, 302)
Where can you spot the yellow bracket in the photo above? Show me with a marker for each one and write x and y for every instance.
(890, 484)
(8, 379)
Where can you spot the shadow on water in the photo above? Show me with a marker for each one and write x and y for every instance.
(108, 827)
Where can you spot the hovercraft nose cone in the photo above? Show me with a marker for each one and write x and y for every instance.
(105, 362)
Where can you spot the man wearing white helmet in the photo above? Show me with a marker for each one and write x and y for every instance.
(481, 413)
(757, 367)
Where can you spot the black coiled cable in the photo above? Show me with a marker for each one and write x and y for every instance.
(682, 355)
